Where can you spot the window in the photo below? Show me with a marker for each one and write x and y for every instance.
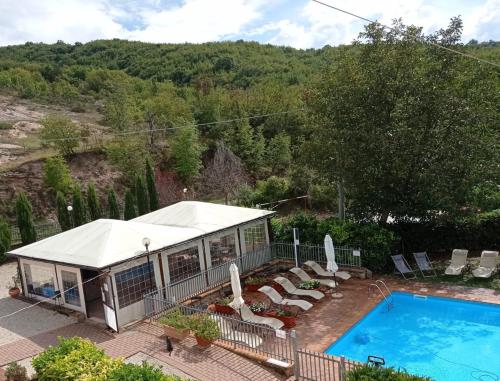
(70, 288)
(222, 249)
(255, 238)
(133, 283)
(183, 264)
(39, 280)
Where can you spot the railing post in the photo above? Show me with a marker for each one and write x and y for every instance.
(342, 368)
(295, 349)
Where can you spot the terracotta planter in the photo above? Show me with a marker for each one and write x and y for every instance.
(202, 342)
(253, 287)
(14, 292)
(223, 309)
(174, 333)
(288, 321)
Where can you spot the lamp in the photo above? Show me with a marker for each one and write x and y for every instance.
(146, 242)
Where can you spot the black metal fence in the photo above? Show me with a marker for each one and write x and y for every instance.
(313, 366)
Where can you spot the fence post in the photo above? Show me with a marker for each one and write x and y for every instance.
(295, 349)
(342, 368)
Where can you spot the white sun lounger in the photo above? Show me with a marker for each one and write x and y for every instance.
(424, 264)
(247, 315)
(278, 299)
(291, 289)
(487, 266)
(458, 262)
(305, 276)
(344, 275)
(228, 333)
(402, 266)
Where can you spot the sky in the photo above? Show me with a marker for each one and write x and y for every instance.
(297, 23)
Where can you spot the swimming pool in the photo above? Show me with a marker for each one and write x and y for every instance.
(442, 338)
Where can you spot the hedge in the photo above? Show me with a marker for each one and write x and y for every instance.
(370, 373)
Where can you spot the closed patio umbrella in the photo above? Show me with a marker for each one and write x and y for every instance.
(331, 265)
(236, 287)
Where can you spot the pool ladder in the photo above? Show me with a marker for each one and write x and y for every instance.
(381, 286)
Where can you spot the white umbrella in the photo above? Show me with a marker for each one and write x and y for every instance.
(236, 287)
(331, 265)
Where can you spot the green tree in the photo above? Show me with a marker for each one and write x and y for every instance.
(130, 211)
(120, 111)
(60, 133)
(141, 196)
(242, 143)
(63, 216)
(114, 209)
(93, 203)
(128, 155)
(256, 162)
(56, 175)
(278, 153)
(151, 185)
(5, 239)
(25, 223)
(186, 151)
(409, 128)
(79, 213)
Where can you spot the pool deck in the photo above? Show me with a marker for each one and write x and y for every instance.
(330, 318)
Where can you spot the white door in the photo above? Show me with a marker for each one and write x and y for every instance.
(107, 301)
(70, 285)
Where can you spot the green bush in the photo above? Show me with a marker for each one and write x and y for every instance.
(74, 359)
(370, 373)
(175, 319)
(144, 372)
(273, 189)
(56, 175)
(205, 327)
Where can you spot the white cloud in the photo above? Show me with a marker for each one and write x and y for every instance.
(483, 23)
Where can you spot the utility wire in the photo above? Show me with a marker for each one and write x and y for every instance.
(147, 130)
(407, 35)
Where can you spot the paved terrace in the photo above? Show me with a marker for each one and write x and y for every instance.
(316, 330)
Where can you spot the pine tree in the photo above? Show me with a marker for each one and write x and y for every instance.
(93, 204)
(79, 212)
(129, 212)
(150, 182)
(25, 223)
(114, 209)
(62, 212)
(141, 196)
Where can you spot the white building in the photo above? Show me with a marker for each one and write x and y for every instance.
(103, 269)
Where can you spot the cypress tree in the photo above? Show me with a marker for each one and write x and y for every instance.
(62, 212)
(79, 213)
(141, 196)
(114, 209)
(25, 223)
(150, 183)
(129, 212)
(93, 205)
(5, 239)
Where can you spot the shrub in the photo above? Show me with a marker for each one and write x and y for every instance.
(113, 208)
(255, 280)
(5, 239)
(273, 189)
(93, 204)
(79, 211)
(175, 319)
(60, 133)
(129, 211)
(16, 372)
(72, 360)
(309, 284)
(258, 307)
(204, 326)
(56, 175)
(132, 372)
(141, 196)
(370, 373)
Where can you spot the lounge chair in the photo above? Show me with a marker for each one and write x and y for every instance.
(424, 264)
(487, 266)
(402, 266)
(291, 289)
(322, 272)
(247, 315)
(305, 276)
(228, 333)
(276, 298)
(458, 262)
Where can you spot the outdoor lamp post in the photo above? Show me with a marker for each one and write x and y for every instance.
(70, 212)
(146, 242)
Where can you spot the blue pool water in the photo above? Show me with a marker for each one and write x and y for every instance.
(446, 339)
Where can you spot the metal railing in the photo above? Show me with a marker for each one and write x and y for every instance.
(313, 366)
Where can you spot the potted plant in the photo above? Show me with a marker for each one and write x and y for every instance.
(253, 283)
(312, 284)
(286, 316)
(16, 372)
(205, 329)
(223, 307)
(14, 290)
(258, 308)
(175, 324)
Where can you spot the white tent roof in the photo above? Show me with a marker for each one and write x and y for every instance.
(205, 216)
(103, 242)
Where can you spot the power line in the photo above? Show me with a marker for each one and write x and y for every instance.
(147, 130)
(407, 35)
